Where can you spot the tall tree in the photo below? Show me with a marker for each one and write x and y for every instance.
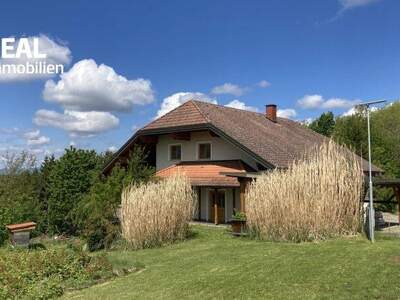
(96, 215)
(19, 192)
(45, 171)
(138, 170)
(352, 132)
(70, 179)
(324, 124)
(386, 139)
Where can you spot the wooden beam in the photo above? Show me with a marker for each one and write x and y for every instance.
(213, 134)
(199, 201)
(215, 213)
(243, 187)
(149, 139)
(397, 193)
(184, 136)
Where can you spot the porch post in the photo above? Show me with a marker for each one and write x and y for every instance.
(215, 207)
(397, 193)
(199, 202)
(243, 186)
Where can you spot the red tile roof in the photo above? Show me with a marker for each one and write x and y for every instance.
(277, 143)
(184, 115)
(207, 173)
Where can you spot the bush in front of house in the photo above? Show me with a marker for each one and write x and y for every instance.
(157, 212)
(69, 181)
(96, 215)
(45, 274)
(316, 198)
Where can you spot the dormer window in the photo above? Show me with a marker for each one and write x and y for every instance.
(175, 152)
(204, 150)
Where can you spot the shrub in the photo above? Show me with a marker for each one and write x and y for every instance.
(97, 212)
(46, 274)
(239, 216)
(316, 198)
(157, 213)
(20, 193)
(69, 180)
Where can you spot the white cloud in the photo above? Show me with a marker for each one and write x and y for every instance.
(350, 112)
(41, 140)
(171, 102)
(91, 87)
(112, 149)
(33, 134)
(339, 103)
(354, 110)
(33, 138)
(348, 4)
(228, 88)
(310, 101)
(56, 52)
(240, 105)
(7, 131)
(318, 102)
(264, 84)
(287, 113)
(77, 123)
(307, 121)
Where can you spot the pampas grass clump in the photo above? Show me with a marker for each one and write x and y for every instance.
(157, 212)
(316, 198)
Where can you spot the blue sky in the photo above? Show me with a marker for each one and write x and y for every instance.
(305, 56)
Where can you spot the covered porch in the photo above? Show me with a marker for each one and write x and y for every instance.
(218, 195)
(387, 183)
(216, 204)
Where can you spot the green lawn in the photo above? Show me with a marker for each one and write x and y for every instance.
(214, 265)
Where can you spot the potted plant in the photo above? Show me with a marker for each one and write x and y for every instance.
(238, 222)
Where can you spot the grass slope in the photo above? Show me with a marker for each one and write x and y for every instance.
(214, 265)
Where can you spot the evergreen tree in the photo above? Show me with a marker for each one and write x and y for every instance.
(69, 180)
(324, 125)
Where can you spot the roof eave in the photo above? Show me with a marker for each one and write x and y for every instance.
(166, 130)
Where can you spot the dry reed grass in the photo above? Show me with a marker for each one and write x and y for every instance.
(157, 212)
(316, 198)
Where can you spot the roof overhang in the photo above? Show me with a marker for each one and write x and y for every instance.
(382, 182)
(197, 127)
(251, 175)
(208, 173)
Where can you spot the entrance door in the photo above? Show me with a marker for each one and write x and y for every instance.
(216, 198)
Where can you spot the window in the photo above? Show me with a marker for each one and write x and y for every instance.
(175, 152)
(204, 150)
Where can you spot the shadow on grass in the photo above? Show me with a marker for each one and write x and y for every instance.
(192, 234)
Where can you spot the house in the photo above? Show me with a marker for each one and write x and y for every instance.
(221, 150)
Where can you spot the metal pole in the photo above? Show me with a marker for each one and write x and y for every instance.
(371, 222)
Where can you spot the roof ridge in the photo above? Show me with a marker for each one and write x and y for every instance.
(172, 110)
(232, 108)
(198, 108)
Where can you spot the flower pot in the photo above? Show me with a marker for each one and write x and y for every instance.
(238, 226)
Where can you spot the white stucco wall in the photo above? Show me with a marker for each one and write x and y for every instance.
(221, 150)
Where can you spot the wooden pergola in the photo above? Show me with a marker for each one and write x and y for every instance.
(389, 183)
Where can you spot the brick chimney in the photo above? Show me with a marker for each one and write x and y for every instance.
(270, 112)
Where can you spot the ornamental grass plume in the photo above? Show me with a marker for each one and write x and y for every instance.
(157, 212)
(317, 197)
